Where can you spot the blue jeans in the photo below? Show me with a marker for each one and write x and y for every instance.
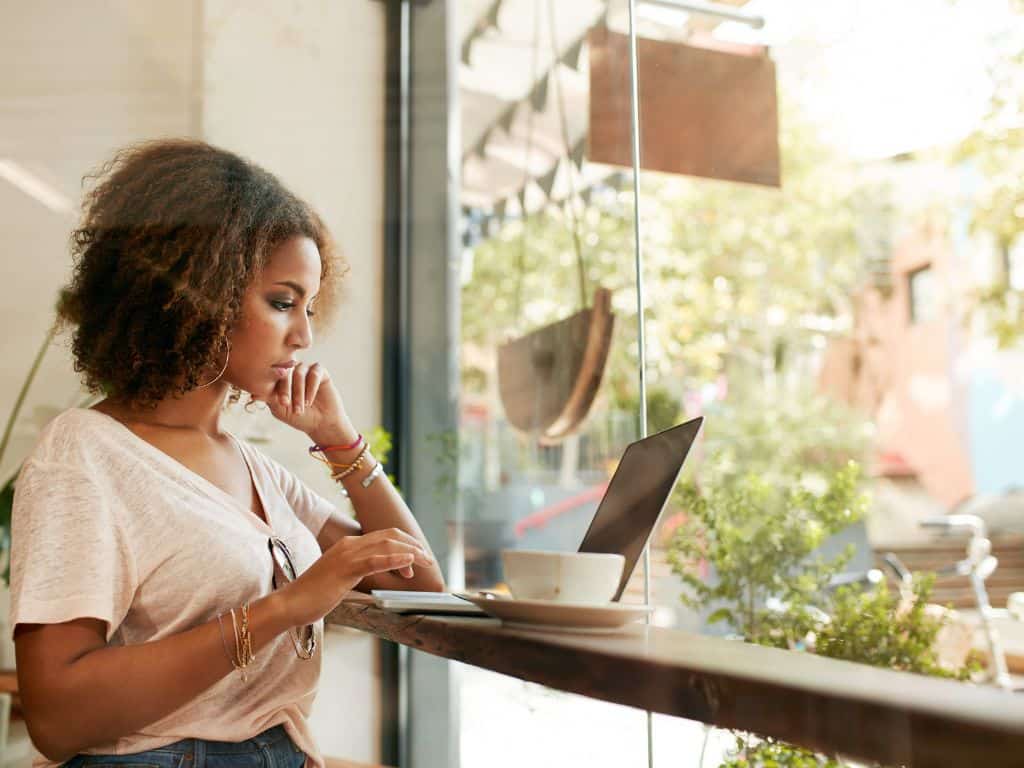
(270, 749)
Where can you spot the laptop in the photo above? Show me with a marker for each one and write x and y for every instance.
(623, 523)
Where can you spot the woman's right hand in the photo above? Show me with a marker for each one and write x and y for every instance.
(320, 588)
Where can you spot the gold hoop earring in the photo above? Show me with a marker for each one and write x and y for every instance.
(226, 358)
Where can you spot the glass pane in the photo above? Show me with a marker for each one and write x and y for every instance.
(548, 340)
(833, 283)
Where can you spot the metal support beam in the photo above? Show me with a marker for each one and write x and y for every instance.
(395, 322)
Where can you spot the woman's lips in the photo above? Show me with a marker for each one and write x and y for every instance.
(280, 371)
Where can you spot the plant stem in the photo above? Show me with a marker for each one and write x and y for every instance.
(24, 391)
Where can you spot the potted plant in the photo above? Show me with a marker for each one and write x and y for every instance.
(756, 521)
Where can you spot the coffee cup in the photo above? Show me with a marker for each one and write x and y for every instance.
(564, 577)
(1015, 605)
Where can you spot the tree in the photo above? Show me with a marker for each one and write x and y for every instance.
(740, 279)
(995, 152)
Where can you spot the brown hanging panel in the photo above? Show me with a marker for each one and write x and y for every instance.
(548, 378)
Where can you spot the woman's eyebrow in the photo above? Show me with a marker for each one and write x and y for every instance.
(294, 286)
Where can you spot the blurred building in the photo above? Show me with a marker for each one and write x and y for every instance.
(946, 402)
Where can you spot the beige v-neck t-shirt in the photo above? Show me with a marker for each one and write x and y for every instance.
(107, 525)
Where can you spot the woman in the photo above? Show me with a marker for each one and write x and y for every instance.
(153, 552)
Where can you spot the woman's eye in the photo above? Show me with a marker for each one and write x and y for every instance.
(284, 306)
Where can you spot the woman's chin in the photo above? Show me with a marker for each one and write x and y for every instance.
(258, 391)
(258, 394)
(262, 397)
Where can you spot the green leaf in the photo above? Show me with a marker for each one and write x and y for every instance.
(6, 509)
(7, 503)
(722, 614)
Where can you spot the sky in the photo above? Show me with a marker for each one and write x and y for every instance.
(883, 76)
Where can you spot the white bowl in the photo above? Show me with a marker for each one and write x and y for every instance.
(565, 577)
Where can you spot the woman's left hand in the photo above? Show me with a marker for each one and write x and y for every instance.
(307, 400)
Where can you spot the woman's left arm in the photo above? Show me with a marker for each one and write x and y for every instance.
(377, 507)
(309, 401)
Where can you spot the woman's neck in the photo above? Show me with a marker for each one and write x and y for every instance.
(188, 413)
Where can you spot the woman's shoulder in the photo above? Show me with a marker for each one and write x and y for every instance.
(73, 434)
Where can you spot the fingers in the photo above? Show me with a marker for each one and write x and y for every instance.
(420, 557)
(298, 393)
(389, 562)
(284, 392)
(313, 381)
(393, 540)
(399, 535)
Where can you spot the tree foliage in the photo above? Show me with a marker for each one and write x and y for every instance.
(882, 628)
(994, 152)
(771, 753)
(732, 272)
(782, 476)
(761, 541)
(784, 436)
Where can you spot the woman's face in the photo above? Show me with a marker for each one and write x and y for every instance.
(276, 318)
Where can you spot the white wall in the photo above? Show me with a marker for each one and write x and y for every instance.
(80, 79)
(298, 88)
(302, 93)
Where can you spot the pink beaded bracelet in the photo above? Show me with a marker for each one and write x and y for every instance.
(323, 448)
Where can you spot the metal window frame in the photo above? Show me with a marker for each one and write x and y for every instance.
(420, 344)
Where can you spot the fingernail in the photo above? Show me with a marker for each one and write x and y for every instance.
(284, 399)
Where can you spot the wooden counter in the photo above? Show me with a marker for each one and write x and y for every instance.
(821, 703)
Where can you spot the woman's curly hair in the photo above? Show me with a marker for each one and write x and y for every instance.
(173, 233)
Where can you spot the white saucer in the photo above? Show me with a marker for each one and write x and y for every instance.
(556, 616)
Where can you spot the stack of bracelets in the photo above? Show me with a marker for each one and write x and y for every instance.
(243, 642)
(340, 471)
(244, 655)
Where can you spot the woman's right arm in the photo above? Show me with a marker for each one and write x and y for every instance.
(78, 693)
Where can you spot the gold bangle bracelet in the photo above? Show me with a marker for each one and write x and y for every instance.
(243, 644)
(238, 666)
(352, 468)
(224, 642)
(342, 465)
(247, 635)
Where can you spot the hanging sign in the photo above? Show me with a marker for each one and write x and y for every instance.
(703, 111)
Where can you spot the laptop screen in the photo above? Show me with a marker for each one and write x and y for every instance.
(637, 494)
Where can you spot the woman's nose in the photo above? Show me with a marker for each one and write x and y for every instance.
(302, 334)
